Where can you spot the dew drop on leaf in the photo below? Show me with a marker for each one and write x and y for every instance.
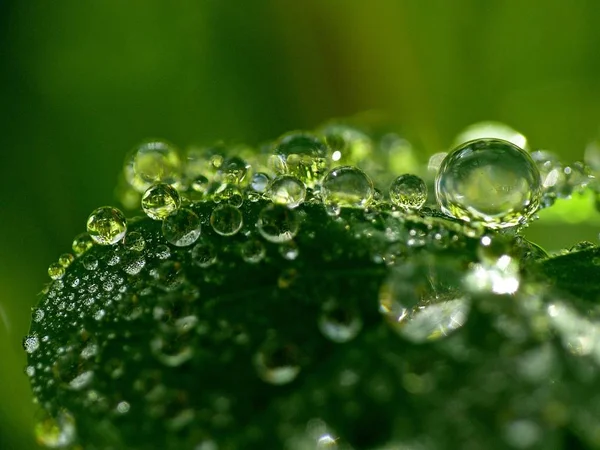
(277, 223)
(160, 200)
(107, 225)
(226, 220)
(181, 228)
(489, 181)
(287, 190)
(408, 192)
(347, 186)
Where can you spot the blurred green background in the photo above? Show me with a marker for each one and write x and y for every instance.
(82, 82)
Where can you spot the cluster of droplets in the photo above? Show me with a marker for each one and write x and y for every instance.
(210, 203)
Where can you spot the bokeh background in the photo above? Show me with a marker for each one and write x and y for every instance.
(82, 82)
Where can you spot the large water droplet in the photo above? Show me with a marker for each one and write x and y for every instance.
(226, 220)
(489, 181)
(107, 225)
(181, 228)
(408, 192)
(347, 186)
(278, 224)
(301, 155)
(160, 200)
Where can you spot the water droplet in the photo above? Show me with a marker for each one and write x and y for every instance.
(226, 220)
(491, 130)
(204, 254)
(153, 162)
(277, 364)
(171, 348)
(123, 408)
(349, 146)
(301, 155)
(339, 323)
(89, 262)
(82, 243)
(107, 225)
(408, 192)
(81, 381)
(134, 263)
(234, 170)
(170, 275)
(66, 259)
(422, 300)
(347, 186)
(489, 181)
(31, 343)
(287, 190)
(162, 251)
(160, 200)
(181, 228)
(56, 433)
(252, 251)
(259, 182)
(135, 242)
(38, 315)
(278, 224)
(289, 250)
(56, 271)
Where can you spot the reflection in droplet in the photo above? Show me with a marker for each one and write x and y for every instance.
(423, 299)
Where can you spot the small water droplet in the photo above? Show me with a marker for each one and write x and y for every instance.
(162, 251)
(181, 228)
(89, 262)
(289, 250)
(259, 182)
(107, 225)
(347, 186)
(252, 251)
(226, 220)
(408, 192)
(170, 275)
(31, 343)
(339, 323)
(38, 315)
(278, 224)
(204, 254)
(81, 381)
(134, 241)
(66, 259)
(277, 363)
(56, 271)
(82, 243)
(287, 190)
(489, 181)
